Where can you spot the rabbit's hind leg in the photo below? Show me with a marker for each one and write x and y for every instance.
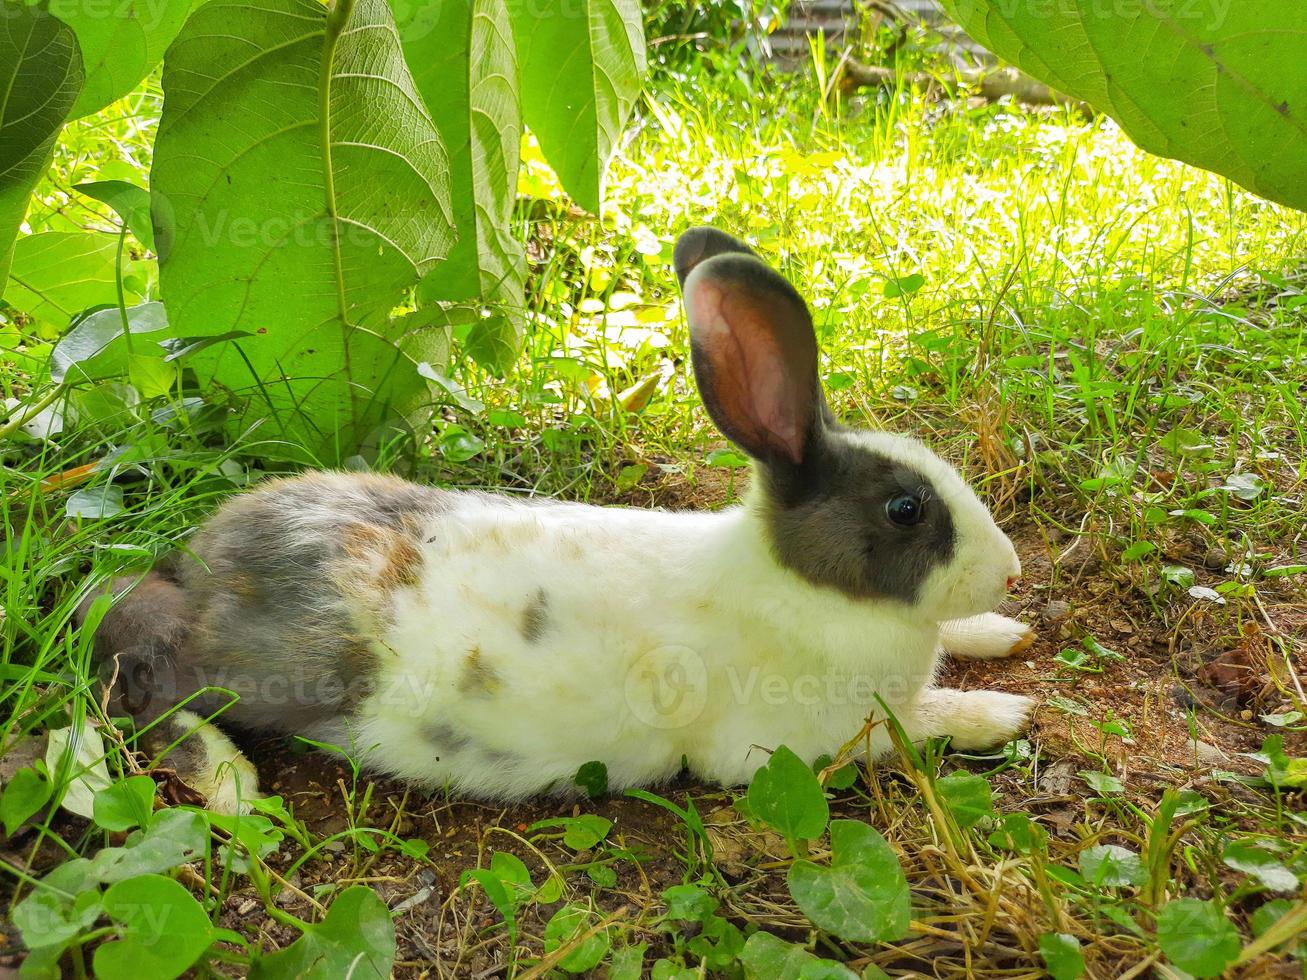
(205, 759)
(988, 636)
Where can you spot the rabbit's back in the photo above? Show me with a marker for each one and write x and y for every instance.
(289, 586)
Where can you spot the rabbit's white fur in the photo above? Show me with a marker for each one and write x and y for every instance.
(659, 636)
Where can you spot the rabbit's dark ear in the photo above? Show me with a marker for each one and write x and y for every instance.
(700, 244)
(755, 357)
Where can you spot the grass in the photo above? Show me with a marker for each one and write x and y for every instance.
(1109, 344)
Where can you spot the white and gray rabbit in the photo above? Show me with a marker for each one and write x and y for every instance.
(493, 645)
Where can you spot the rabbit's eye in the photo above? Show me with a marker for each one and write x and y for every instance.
(905, 510)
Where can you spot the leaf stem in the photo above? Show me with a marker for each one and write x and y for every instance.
(337, 17)
(122, 293)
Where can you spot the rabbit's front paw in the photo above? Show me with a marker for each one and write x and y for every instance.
(974, 719)
(985, 637)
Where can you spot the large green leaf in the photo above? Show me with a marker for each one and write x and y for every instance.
(40, 76)
(768, 957)
(58, 274)
(464, 63)
(122, 41)
(163, 929)
(1197, 937)
(786, 794)
(356, 939)
(863, 895)
(582, 63)
(1221, 86)
(300, 187)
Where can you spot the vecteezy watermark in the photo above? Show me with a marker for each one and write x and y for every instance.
(671, 687)
(1210, 13)
(667, 687)
(147, 15)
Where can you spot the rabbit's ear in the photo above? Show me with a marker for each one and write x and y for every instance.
(755, 357)
(700, 244)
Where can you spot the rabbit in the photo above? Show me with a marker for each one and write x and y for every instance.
(490, 645)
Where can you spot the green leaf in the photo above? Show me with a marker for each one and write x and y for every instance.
(1062, 955)
(40, 85)
(842, 778)
(131, 203)
(1197, 937)
(585, 831)
(57, 274)
(171, 838)
(579, 833)
(25, 793)
(121, 41)
(905, 286)
(151, 376)
(627, 963)
(1112, 866)
(768, 957)
(504, 899)
(1178, 575)
(356, 939)
(95, 504)
(334, 180)
(593, 778)
(727, 458)
(1281, 571)
(509, 869)
(863, 895)
(97, 348)
(581, 64)
(1272, 912)
(688, 903)
(1017, 832)
(1245, 856)
(968, 797)
(458, 445)
(786, 795)
(495, 339)
(1140, 549)
(465, 66)
(564, 927)
(1219, 87)
(74, 756)
(164, 930)
(126, 804)
(1187, 442)
(1245, 486)
(1102, 782)
(47, 918)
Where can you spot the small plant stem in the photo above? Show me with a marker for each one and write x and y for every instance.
(1283, 930)
(44, 402)
(122, 293)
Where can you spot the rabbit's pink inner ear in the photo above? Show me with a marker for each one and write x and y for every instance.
(756, 363)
